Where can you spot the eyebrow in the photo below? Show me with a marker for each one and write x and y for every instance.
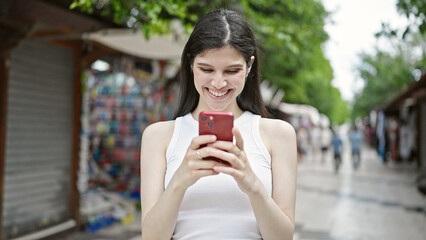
(230, 66)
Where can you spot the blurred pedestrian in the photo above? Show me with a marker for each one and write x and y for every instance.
(315, 138)
(325, 139)
(302, 141)
(337, 143)
(355, 137)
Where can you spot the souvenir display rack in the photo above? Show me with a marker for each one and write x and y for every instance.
(118, 104)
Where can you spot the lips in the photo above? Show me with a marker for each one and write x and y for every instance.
(218, 93)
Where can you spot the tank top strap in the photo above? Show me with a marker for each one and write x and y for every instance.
(249, 124)
(184, 130)
(176, 131)
(258, 139)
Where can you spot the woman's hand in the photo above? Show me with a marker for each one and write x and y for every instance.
(239, 167)
(193, 166)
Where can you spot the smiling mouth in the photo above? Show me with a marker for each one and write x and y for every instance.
(218, 94)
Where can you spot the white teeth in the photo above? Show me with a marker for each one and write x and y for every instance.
(218, 94)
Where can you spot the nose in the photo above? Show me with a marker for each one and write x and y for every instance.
(219, 81)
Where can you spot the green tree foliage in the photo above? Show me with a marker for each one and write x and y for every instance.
(290, 32)
(384, 76)
(414, 34)
(415, 13)
(153, 17)
(415, 10)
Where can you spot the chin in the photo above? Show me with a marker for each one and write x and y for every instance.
(219, 108)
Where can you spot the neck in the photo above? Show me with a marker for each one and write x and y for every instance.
(235, 110)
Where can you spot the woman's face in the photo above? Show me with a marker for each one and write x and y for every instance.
(219, 77)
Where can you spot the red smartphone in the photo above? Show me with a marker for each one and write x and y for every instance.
(219, 124)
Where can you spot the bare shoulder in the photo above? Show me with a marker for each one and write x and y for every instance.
(276, 128)
(159, 133)
(162, 127)
(275, 132)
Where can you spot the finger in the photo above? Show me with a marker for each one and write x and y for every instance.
(228, 170)
(203, 173)
(227, 146)
(201, 140)
(203, 152)
(224, 145)
(204, 164)
(228, 157)
(238, 138)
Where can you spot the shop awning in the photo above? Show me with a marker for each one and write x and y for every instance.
(304, 110)
(413, 92)
(132, 42)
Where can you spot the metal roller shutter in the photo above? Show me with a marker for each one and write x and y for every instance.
(38, 138)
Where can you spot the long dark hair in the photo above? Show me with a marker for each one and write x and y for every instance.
(218, 29)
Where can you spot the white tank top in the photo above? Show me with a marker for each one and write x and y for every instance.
(215, 207)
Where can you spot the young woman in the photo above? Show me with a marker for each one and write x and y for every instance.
(187, 197)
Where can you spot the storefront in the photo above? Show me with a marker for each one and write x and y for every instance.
(400, 128)
(61, 138)
(37, 187)
(70, 127)
(121, 95)
(39, 105)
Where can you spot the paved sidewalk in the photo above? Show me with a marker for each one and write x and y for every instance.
(373, 203)
(117, 231)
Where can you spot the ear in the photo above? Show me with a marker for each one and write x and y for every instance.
(251, 64)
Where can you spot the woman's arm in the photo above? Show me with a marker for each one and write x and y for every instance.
(275, 216)
(160, 207)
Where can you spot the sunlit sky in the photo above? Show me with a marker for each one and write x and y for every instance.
(352, 29)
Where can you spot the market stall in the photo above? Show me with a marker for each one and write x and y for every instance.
(124, 91)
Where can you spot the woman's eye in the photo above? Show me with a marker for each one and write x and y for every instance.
(234, 71)
(206, 70)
